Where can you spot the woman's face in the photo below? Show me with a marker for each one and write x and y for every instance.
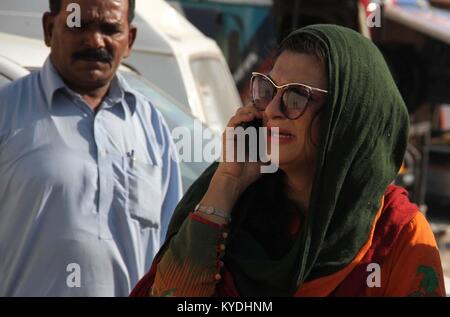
(298, 138)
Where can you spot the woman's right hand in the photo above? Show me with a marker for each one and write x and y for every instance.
(243, 173)
(232, 178)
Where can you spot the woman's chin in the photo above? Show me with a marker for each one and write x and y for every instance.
(284, 159)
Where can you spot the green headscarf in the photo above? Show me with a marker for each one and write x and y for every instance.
(364, 136)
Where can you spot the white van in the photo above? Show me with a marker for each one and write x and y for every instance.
(169, 51)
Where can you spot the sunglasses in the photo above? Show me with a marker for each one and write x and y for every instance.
(294, 98)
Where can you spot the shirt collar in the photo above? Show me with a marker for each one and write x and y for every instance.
(119, 92)
(51, 81)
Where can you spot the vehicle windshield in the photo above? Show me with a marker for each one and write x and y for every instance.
(4, 80)
(217, 102)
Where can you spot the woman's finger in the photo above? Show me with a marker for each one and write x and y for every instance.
(244, 114)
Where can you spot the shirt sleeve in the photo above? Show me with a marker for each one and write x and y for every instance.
(191, 265)
(416, 268)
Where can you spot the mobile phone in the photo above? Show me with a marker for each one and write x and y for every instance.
(255, 123)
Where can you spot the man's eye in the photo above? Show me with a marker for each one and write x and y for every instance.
(110, 30)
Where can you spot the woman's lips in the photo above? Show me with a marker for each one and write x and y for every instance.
(283, 136)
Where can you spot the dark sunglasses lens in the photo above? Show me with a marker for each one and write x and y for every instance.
(294, 102)
(262, 92)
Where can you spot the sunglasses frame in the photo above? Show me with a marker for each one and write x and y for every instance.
(310, 90)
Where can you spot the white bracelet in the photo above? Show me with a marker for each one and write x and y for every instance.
(212, 211)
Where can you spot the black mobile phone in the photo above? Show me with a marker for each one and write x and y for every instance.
(255, 123)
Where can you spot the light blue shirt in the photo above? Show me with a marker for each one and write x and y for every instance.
(85, 197)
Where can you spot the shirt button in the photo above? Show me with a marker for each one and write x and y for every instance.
(221, 264)
(218, 277)
(225, 235)
(222, 247)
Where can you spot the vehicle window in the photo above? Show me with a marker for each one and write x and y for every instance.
(164, 72)
(215, 93)
(169, 109)
(4, 80)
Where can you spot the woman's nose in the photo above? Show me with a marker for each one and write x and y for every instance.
(273, 109)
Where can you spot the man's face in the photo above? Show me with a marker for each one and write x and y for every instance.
(87, 57)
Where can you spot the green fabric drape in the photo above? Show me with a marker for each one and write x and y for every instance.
(363, 141)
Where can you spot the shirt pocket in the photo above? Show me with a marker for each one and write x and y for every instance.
(144, 191)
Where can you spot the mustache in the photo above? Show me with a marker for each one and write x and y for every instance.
(101, 55)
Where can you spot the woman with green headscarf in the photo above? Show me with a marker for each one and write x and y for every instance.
(328, 222)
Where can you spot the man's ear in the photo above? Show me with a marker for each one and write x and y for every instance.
(131, 39)
(48, 22)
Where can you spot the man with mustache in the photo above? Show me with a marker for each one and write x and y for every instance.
(89, 178)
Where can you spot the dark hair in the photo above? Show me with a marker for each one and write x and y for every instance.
(55, 8)
(302, 43)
